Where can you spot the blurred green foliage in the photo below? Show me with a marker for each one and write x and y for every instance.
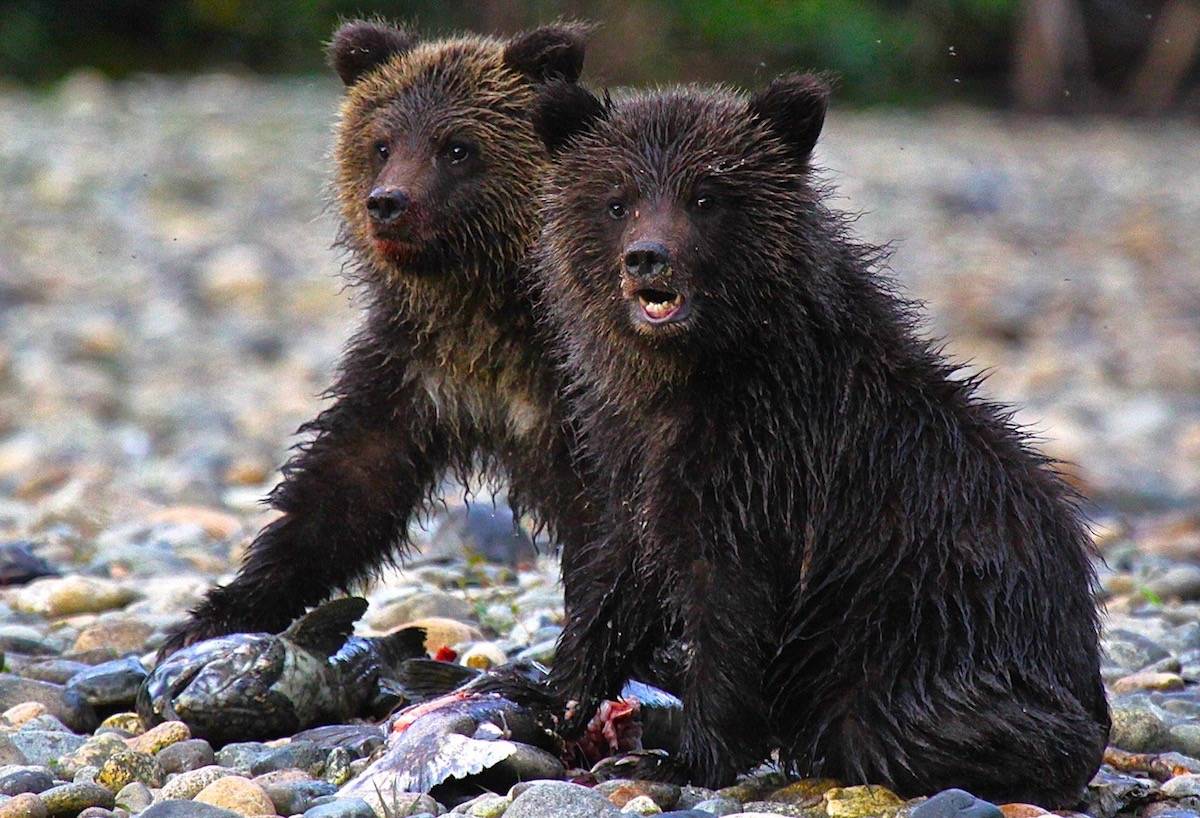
(882, 50)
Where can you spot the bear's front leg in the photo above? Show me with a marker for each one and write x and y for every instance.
(347, 498)
(613, 624)
(727, 619)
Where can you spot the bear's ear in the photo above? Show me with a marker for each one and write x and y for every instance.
(360, 45)
(794, 106)
(550, 52)
(564, 110)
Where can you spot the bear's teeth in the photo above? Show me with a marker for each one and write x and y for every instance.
(659, 309)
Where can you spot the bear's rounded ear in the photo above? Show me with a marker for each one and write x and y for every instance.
(360, 45)
(794, 106)
(563, 110)
(550, 52)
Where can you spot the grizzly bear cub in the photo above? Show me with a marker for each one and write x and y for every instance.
(875, 573)
(438, 167)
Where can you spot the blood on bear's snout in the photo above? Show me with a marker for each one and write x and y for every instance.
(399, 204)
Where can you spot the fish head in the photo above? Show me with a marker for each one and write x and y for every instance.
(227, 691)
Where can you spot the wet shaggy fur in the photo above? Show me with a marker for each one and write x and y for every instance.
(448, 373)
(876, 574)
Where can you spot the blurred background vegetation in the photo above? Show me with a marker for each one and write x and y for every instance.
(1119, 56)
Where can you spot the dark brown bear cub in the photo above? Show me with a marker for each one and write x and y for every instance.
(438, 167)
(876, 574)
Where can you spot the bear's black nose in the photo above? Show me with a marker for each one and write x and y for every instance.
(646, 259)
(386, 204)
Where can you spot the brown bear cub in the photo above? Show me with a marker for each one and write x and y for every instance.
(875, 573)
(438, 167)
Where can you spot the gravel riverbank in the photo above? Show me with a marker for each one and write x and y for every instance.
(170, 310)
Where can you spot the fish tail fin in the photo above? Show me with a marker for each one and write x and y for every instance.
(404, 644)
(423, 679)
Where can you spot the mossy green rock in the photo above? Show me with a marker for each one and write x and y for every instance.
(126, 766)
(861, 802)
(94, 752)
(807, 791)
(72, 799)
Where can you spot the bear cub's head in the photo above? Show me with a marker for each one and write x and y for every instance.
(675, 218)
(437, 161)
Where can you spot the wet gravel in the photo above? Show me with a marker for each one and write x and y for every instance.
(170, 310)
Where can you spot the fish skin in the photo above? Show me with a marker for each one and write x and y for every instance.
(255, 686)
(464, 733)
(443, 744)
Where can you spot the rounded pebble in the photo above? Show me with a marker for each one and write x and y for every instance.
(641, 805)
(183, 756)
(237, 794)
(955, 803)
(342, 808)
(544, 799)
(187, 785)
(27, 805)
(717, 807)
(18, 780)
(126, 767)
(72, 799)
(159, 736)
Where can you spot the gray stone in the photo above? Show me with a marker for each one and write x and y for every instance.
(55, 671)
(41, 747)
(955, 803)
(1137, 725)
(10, 753)
(15, 780)
(65, 705)
(26, 805)
(242, 755)
(690, 796)
(1182, 786)
(295, 755)
(406, 804)
(1180, 581)
(183, 756)
(1131, 651)
(539, 652)
(111, 684)
(483, 529)
(717, 806)
(341, 808)
(292, 797)
(134, 797)
(45, 722)
(558, 799)
(1185, 738)
(86, 774)
(186, 809)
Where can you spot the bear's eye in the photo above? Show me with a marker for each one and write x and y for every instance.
(616, 210)
(703, 203)
(382, 150)
(456, 153)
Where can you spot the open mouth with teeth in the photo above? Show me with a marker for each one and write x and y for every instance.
(661, 306)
